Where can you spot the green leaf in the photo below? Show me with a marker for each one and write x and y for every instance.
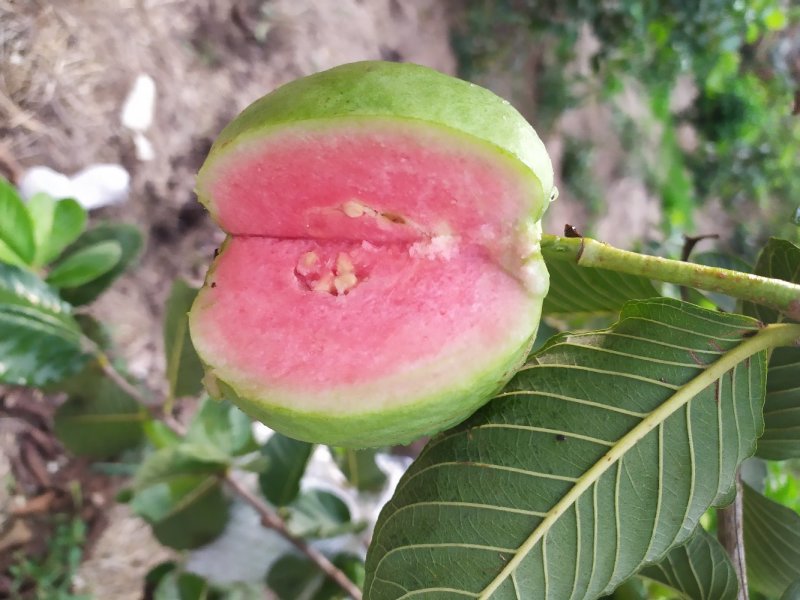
(94, 330)
(698, 569)
(780, 259)
(771, 543)
(781, 439)
(319, 514)
(99, 419)
(294, 576)
(632, 589)
(280, 482)
(181, 586)
(130, 242)
(16, 227)
(85, 265)
(22, 288)
(754, 473)
(792, 592)
(587, 291)
(38, 348)
(223, 427)
(602, 454)
(69, 221)
(360, 468)
(41, 209)
(184, 369)
(157, 573)
(179, 460)
(160, 435)
(186, 511)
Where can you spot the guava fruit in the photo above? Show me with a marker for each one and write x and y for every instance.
(382, 276)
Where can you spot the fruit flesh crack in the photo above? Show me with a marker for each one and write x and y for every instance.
(439, 234)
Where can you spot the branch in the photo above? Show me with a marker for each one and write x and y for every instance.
(730, 533)
(775, 293)
(269, 518)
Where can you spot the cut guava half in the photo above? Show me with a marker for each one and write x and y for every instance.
(382, 277)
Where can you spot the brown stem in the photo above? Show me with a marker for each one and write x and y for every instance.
(269, 518)
(730, 533)
(689, 242)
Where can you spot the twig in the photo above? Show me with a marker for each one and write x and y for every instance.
(730, 533)
(689, 242)
(272, 521)
(269, 518)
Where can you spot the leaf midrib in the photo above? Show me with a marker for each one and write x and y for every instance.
(770, 336)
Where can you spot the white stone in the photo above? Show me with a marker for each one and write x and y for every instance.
(101, 185)
(139, 106)
(38, 180)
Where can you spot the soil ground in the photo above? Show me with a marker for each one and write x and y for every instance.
(65, 70)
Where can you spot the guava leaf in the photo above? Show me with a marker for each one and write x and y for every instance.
(294, 576)
(319, 514)
(698, 569)
(792, 592)
(779, 259)
(360, 468)
(41, 208)
(16, 227)
(222, 427)
(632, 589)
(601, 454)
(181, 586)
(130, 242)
(38, 348)
(184, 369)
(185, 510)
(287, 460)
(22, 288)
(589, 291)
(166, 582)
(85, 265)
(178, 460)
(771, 544)
(99, 419)
(754, 472)
(160, 435)
(781, 439)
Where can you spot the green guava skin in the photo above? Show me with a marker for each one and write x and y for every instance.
(396, 91)
(393, 426)
(384, 92)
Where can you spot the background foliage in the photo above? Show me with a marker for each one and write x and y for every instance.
(740, 59)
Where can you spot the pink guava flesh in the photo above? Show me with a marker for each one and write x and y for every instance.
(410, 182)
(369, 266)
(402, 311)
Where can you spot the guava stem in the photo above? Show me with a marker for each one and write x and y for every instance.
(270, 519)
(586, 252)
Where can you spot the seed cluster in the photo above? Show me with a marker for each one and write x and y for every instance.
(318, 275)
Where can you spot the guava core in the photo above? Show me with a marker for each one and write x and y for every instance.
(382, 276)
